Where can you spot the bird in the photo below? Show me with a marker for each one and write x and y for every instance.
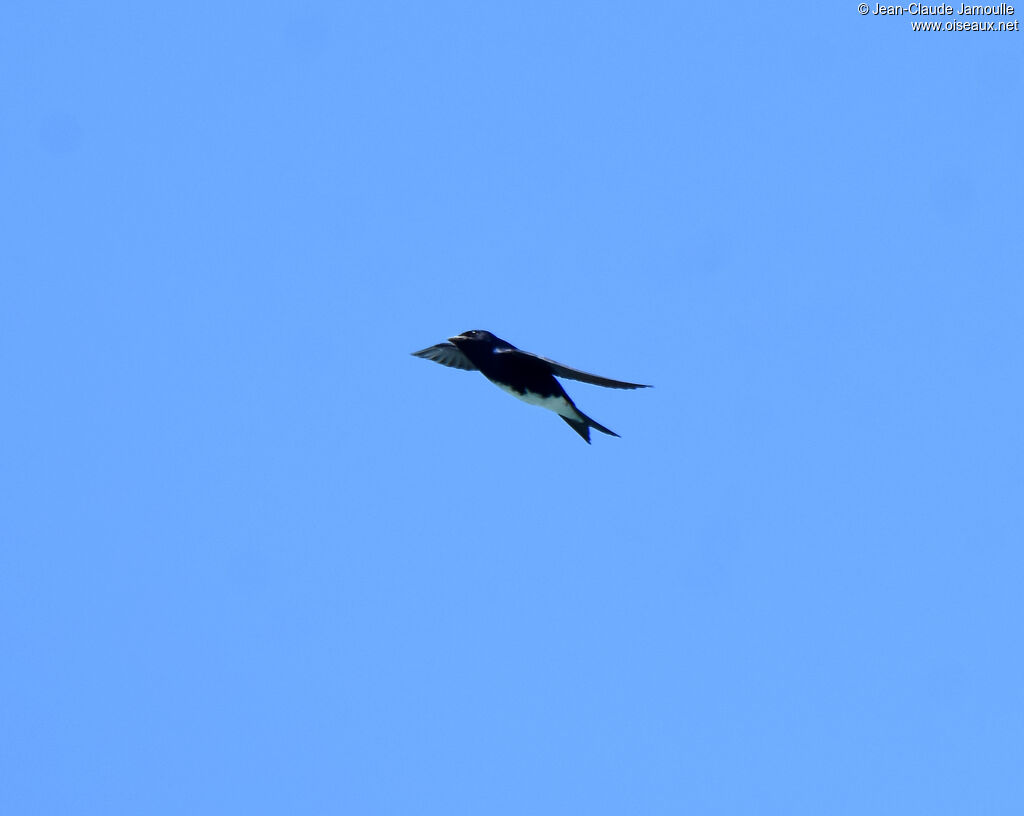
(522, 374)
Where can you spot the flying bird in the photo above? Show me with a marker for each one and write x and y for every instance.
(526, 376)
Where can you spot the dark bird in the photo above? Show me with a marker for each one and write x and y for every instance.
(526, 376)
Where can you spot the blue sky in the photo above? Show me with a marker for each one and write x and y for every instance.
(258, 559)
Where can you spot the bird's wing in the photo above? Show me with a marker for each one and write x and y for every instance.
(560, 370)
(446, 354)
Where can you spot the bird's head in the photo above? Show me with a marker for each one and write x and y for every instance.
(476, 338)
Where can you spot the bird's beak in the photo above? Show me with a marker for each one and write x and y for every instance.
(456, 338)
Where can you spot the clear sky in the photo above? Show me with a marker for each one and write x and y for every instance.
(256, 558)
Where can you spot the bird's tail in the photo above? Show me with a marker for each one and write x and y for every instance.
(583, 425)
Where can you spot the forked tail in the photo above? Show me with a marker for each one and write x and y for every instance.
(583, 426)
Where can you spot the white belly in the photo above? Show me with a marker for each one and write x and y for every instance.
(560, 405)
